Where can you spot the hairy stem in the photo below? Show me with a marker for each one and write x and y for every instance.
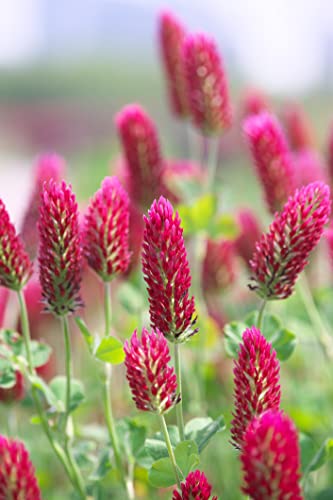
(170, 450)
(261, 314)
(179, 406)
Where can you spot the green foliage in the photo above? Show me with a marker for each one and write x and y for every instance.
(58, 386)
(202, 430)
(130, 297)
(110, 350)
(314, 456)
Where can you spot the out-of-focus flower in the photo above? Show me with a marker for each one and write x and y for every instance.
(256, 381)
(152, 381)
(171, 36)
(219, 267)
(60, 253)
(207, 85)
(250, 233)
(4, 296)
(15, 265)
(298, 127)
(272, 158)
(330, 154)
(105, 231)
(167, 273)
(253, 103)
(271, 458)
(15, 393)
(282, 253)
(308, 167)
(195, 486)
(17, 474)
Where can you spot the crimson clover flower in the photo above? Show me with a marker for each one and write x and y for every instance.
(194, 487)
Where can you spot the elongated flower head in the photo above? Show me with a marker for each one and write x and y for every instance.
(282, 253)
(141, 148)
(194, 487)
(171, 37)
(308, 167)
(152, 381)
(249, 234)
(167, 273)
(106, 226)
(270, 458)
(330, 154)
(219, 267)
(60, 254)
(272, 158)
(17, 474)
(15, 265)
(298, 127)
(256, 382)
(207, 85)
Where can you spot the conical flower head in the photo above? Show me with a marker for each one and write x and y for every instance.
(171, 36)
(249, 234)
(60, 254)
(282, 253)
(256, 382)
(17, 474)
(152, 381)
(15, 265)
(271, 459)
(106, 227)
(298, 127)
(272, 158)
(141, 148)
(207, 85)
(194, 487)
(167, 273)
(219, 267)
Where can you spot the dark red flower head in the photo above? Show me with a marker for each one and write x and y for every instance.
(282, 253)
(219, 267)
(249, 234)
(167, 273)
(256, 381)
(152, 381)
(195, 487)
(272, 158)
(15, 265)
(298, 127)
(207, 84)
(141, 148)
(271, 458)
(60, 254)
(17, 474)
(171, 36)
(106, 226)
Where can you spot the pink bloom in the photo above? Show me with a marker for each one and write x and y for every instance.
(106, 230)
(17, 474)
(207, 85)
(308, 167)
(152, 381)
(271, 459)
(15, 265)
(167, 273)
(60, 254)
(219, 267)
(282, 253)
(254, 102)
(272, 158)
(171, 36)
(15, 393)
(256, 381)
(194, 487)
(298, 128)
(250, 233)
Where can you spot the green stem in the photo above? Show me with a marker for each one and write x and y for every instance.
(213, 163)
(170, 450)
(179, 406)
(261, 314)
(107, 308)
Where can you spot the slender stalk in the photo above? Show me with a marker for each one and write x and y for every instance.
(107, 308)
(213, 163)
(179, 406)
(204, 152)
(261, 314)
(170, 450)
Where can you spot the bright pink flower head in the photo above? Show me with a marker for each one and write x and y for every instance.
(272, 158)
(152, 381)
(250, 232)
(308, 167)
(254, 102)
(15, 393)
(167, 273)
(48, 166)
(256, 381)
(219, 267)
(171, 36)
(106, 230)
(141, 148)
(60, 254)
(15, 265)
(207, 84)
(298, 128)
(17, 474)
(271, 458)
(282, 253)
(330, 154)
(194, 487)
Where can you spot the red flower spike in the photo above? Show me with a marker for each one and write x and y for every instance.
(15, 265)
(298, 128)
(272, 158)
(207, 85)
(15, 393)
(139, 140)
(171, 36)
(195, 487)
(250, 232)
(17, 474)
(167, 273)
(256, 381)
(60, 254)
(219, 267)
(106, 227)
(282, 253)
(271, 459)
(152, 381)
